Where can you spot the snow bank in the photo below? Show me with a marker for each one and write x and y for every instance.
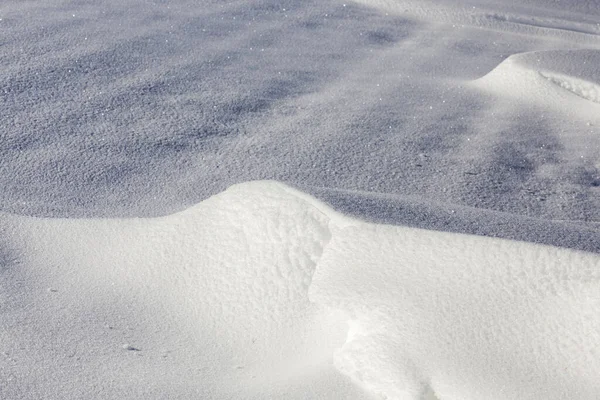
(248, 295)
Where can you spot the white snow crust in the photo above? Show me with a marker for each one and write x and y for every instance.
(265, 292)
(209, 303)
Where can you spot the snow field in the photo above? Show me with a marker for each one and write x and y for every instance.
(480, 118)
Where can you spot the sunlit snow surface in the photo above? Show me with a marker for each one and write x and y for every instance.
(121, 277)
(263, 292)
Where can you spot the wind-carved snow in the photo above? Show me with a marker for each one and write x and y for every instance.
(260, 291)
(582, 88)
(215, 298)
(545, 23)
(549, 79)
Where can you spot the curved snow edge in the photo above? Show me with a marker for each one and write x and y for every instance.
(406, 291)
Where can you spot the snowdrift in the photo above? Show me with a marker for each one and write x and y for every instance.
(264, 292)
(567, 81)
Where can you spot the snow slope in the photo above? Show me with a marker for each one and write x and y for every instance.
(534, 77)
(265, 292)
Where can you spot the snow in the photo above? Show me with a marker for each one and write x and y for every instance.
(532, 77)
(251, 292)
(464, 316)
(210, 302)
(434, 232)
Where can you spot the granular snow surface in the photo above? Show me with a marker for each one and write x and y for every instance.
(300, 199)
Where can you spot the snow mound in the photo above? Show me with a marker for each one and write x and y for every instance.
(564, 79)
(464, 317)
(264, 292)
(212, 302)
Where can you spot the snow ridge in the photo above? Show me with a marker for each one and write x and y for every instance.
(461, 316)
(545, 23)
(551, 80)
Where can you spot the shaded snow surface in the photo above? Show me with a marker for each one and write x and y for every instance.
(134, 108)
(265, 292)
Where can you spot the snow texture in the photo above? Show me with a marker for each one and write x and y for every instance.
(135, 108)
(210, 303)
(265, 292)
(463, 316)
(137, 262)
